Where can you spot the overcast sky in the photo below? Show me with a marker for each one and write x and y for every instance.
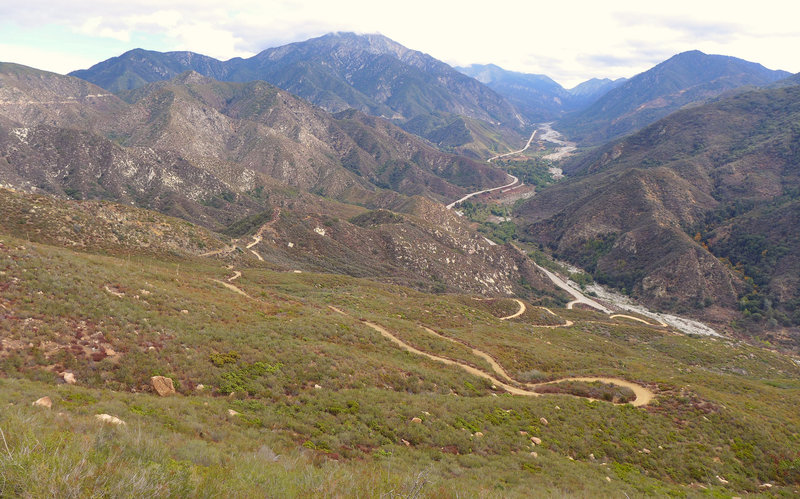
(570, 41)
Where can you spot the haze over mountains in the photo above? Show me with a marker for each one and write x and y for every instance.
(538, 97)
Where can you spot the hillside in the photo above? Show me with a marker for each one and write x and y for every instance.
(694, 213)
(317, 383)
(243, 135)
(684, 79)
(29, 95)
(339, 71)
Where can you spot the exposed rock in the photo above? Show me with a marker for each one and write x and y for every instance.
(416, 420)
(200, 387)
(536, 440)
(231, 412)
(405, 442)
(646, 450)
(543, 421)
(721, 480)
(43, 402)
(107, 418)
(591, 456)
(522, 432)
(162, 385)
(478, 434)
(534, 454)
(608, 479)
(69, 378)
(317, 387)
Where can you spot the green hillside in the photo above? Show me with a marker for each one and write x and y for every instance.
(324, 403)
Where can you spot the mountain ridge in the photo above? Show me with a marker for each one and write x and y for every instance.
(337, 71)
(686, 78)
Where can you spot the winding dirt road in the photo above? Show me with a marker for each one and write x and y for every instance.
(517, 313)
(643, 395)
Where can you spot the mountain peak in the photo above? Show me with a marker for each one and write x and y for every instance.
(192, 77)
(375, 43)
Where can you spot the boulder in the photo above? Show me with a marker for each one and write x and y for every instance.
(478, 434)
(536, 440)
(231, 412)
(162, 385)
(43, 402)
(69, 378)
(416, 420)
(544, 421)
(107, 418)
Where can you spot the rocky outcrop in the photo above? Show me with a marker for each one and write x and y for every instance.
(162, 385)
(43, 402)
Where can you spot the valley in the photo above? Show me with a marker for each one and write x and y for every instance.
(341, 267)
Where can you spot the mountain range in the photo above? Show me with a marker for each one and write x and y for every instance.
(684, 79)
(340, 71)
(696, 212)
(538, 97)
(225, 155)
(298, 272)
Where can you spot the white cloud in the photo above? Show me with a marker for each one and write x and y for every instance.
(55, 60)
(94, 26)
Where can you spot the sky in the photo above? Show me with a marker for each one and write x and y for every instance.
(568, 40)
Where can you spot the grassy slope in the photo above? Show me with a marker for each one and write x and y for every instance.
(723, 409)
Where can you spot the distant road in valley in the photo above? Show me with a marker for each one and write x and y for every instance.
(513, 182)
(514, 152)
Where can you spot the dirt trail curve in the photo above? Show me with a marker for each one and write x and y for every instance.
(643, 395)
(660, 323)
(236, 275)
(517, 313)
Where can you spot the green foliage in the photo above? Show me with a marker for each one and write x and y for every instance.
(248, 224)
(531, 171)
(244, 377)
(220, 359)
